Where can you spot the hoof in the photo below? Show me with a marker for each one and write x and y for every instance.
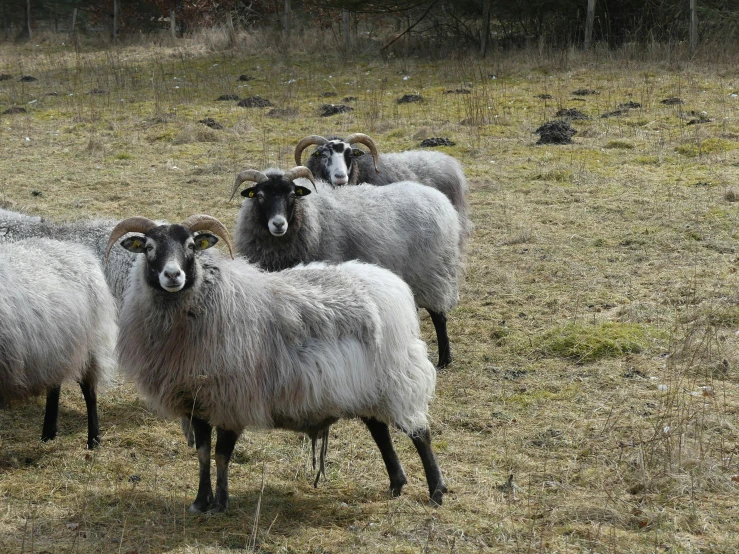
(437, 496)
(198, 507)
(397, 488)
(47, 438)
(93, 443)
(444, 362)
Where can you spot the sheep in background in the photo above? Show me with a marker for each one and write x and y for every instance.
(406, 227)
(15, 226)
(57, 322)
(336, 161)
(231, 346)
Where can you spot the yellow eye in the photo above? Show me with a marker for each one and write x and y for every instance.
(299, 192)
(136, 244)
(251, 194)
(204, 244)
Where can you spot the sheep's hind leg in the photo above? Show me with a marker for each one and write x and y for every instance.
(51, 414)
(93, 424)
(225, 442)
(442, 338)
(381, 434)
(422, 442)
(204, 499)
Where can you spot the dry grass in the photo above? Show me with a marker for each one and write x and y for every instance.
(595, 342)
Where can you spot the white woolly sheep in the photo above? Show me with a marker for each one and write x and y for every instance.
(406, 227)
(57, 323)
(234, 347)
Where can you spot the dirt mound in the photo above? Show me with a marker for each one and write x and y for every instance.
(97, 91)
(210, 122)
(349, 99)
(14, 110)
(27, 79)
(555, 132)
(629, 105)
(329, 94)
(544, 96)
(326, 110)
(571, 113)
(614, 113)
(585, 92)
(245, 78)
(282, 112)
(227, 97)
(437, 141)
(458, 91)
(410, 98)
(672, 101)
(5, 77)
(255, 101)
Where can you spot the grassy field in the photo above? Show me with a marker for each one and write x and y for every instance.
(592, 405)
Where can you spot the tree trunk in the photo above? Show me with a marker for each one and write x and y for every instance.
(485, 27)
(589, 24)
(172, 27)
(347, 38)
(287, 23)
(114, 30)
(28, 19)
(231, 29)
(74, 22)
(693, 26)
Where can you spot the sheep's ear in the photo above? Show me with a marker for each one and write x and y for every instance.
(204, 241)
(251, 192)
(134, 244)
(357, 152)
(301, 191)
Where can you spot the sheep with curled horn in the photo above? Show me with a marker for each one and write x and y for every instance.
(408, 228)
(233, 347)
(337, 161)
(57, 323)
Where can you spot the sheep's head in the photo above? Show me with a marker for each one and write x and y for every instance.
(170, 250)
(333, 159)
(274, 196)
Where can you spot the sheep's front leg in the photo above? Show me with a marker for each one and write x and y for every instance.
(93, 424)
(384, 442)
(442, 338)
(51, 415)
(204, 499)
(422, 442)
(225, 442)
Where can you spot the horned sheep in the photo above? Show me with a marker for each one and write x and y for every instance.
(406, 227)
(337, 161)
(229, 345)
(57, 323)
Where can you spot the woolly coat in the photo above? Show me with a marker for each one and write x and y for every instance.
(57, 318)
(296, 349)
(433, 169)
(93, 233)
(411, 229)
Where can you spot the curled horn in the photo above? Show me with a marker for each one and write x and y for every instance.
(300, 171)
(199, 222)
(135, 224)
(307, 141)
(247, 175)
(361, 138)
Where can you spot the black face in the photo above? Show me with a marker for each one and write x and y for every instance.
(170, 255)
(275, 200)
(335, 161)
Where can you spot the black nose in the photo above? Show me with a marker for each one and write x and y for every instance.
(171, 273)
(279, 224)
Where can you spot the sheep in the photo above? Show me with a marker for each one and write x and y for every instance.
(93, 233)
(57, 322)
(229, 345)
(406, 227)
(335, 160)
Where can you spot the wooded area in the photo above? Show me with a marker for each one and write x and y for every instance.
(458, 23)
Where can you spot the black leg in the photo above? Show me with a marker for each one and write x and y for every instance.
(225, 442)
(51, 415)
(93, 424)
(422, 442)
(442, 339)
(204, 499)
(381, 434)
(187, 430)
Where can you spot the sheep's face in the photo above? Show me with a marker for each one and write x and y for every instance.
(170, 255)
(275, 203)
(335, 159)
